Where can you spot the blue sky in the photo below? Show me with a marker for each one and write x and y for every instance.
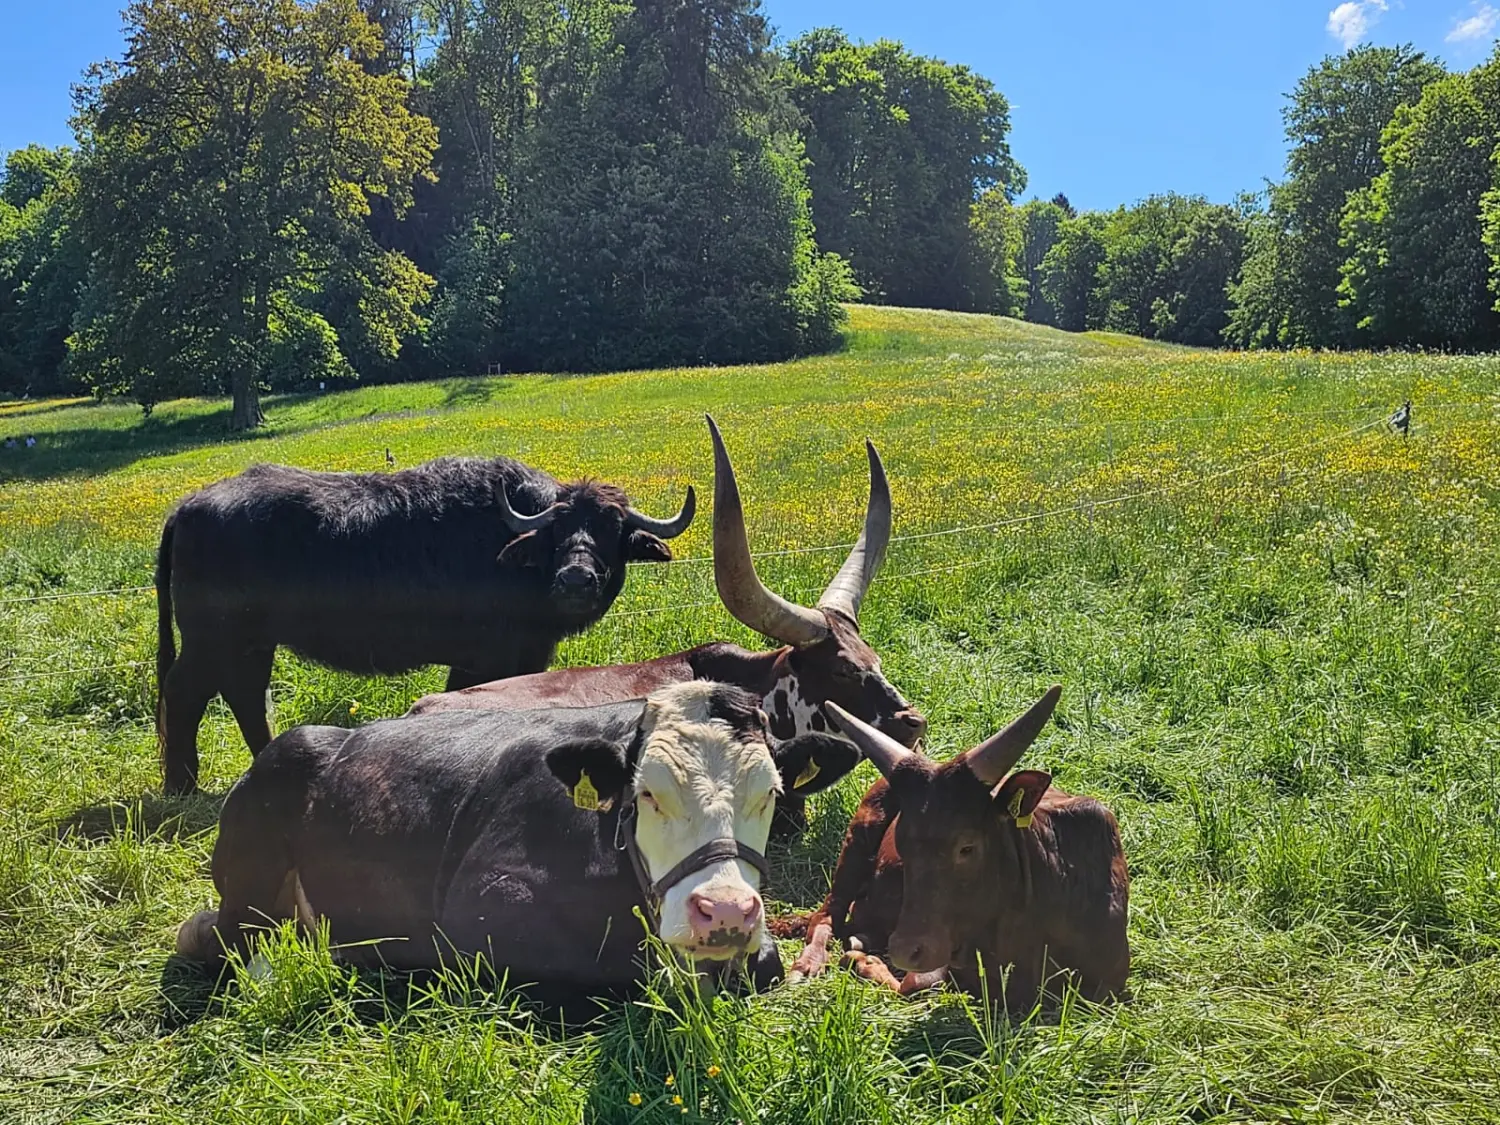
(1111, 100)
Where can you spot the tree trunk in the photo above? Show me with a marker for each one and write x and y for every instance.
(246, 414)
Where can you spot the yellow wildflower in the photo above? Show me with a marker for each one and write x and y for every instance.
(634, 1098)
(671, 1080)
(714, 1072)
(676, 1099)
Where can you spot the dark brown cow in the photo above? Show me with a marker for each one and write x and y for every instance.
(823, 657)
(949, 866)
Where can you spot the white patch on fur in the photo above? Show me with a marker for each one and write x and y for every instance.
(705, 785)
(802, 711)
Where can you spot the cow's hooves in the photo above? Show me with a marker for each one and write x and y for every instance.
(796, 976)
(195, 935)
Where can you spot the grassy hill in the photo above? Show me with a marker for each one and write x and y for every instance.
(1276, 624)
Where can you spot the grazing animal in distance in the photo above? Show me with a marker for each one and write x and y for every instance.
(480, 564)
(822, 655)
(528, 838)
(949, 869)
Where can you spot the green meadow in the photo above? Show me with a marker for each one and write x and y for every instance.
(1278, 630)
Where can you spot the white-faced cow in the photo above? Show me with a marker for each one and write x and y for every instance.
(526, 837)
(823, 657)
(949, 865)
(480, 564)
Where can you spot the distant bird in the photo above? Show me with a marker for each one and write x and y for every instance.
(389, 460)
(1401, 420)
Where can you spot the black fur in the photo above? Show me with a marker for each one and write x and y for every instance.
(375, 573)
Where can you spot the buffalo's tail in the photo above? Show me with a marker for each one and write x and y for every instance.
(166, 644)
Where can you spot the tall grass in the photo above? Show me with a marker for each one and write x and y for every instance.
(1281, 665)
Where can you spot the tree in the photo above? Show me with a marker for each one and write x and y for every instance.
(995, 226)
(230, 160)
(899, 149)
(1418, 270)
(1040, 224)
(1205, 261)
(1072, 273)
(1334, 121)
(41, 269)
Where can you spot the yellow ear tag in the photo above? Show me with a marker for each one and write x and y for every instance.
(809, 771)
(1015, 809)
(585, 796)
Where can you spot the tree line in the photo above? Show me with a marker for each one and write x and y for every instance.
(283, 194)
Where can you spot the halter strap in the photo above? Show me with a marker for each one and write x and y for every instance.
(715, 851)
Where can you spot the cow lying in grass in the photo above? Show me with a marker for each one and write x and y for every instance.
(528, 838)
(949, 865)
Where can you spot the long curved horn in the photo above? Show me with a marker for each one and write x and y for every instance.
(850, 584)
(517, 522)
(740, 589)
(665, 529)
(993, 758)
(883, 750)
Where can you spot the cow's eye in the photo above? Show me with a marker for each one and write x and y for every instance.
(965, 851)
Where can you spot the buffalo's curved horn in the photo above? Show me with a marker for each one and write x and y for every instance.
(665, 529)
(993, 758)
(740, 589)
(850, 584)
(519, 523)
(883, 750)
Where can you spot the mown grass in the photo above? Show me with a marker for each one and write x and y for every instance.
(1281, 663)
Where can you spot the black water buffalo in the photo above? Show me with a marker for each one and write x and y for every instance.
(823, 657)
(480, 564)
(528, 838)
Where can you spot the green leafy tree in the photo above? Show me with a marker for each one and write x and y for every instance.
(41, 269)
(1072, 272)
(230, 160)
(1418, 269)
(1334, 121)
(1041, 222)
(899, 149)
(996, 228)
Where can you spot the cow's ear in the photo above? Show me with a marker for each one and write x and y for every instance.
(1020, 793)
(812, 762)
(642, 546)
(593, 771)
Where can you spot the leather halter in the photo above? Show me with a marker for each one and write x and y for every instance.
(715, 851)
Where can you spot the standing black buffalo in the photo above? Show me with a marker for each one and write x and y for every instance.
(483, 565)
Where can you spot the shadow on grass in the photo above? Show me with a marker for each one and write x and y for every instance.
(91, 450)
(150, 814)
(13, 410)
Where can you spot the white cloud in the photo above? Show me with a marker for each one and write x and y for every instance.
(1349, 22)
(1478, 26)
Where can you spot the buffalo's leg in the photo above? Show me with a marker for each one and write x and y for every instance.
(191, 682)
(252, 868)
(876, 971)
(244, 689)
(814, 956)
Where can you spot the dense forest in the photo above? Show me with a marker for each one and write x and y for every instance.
(279, 194)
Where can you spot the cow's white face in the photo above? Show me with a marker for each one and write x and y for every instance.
(705, 773)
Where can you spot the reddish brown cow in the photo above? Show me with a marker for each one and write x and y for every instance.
(947, 867)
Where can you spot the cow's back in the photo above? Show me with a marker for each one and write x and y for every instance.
(562, 687)
(440, 833)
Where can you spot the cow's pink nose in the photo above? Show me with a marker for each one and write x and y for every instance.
(730, 915)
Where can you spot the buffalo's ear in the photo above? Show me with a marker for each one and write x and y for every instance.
(642, 546)
(1020, 793)
(812, 762)
(594, 771)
